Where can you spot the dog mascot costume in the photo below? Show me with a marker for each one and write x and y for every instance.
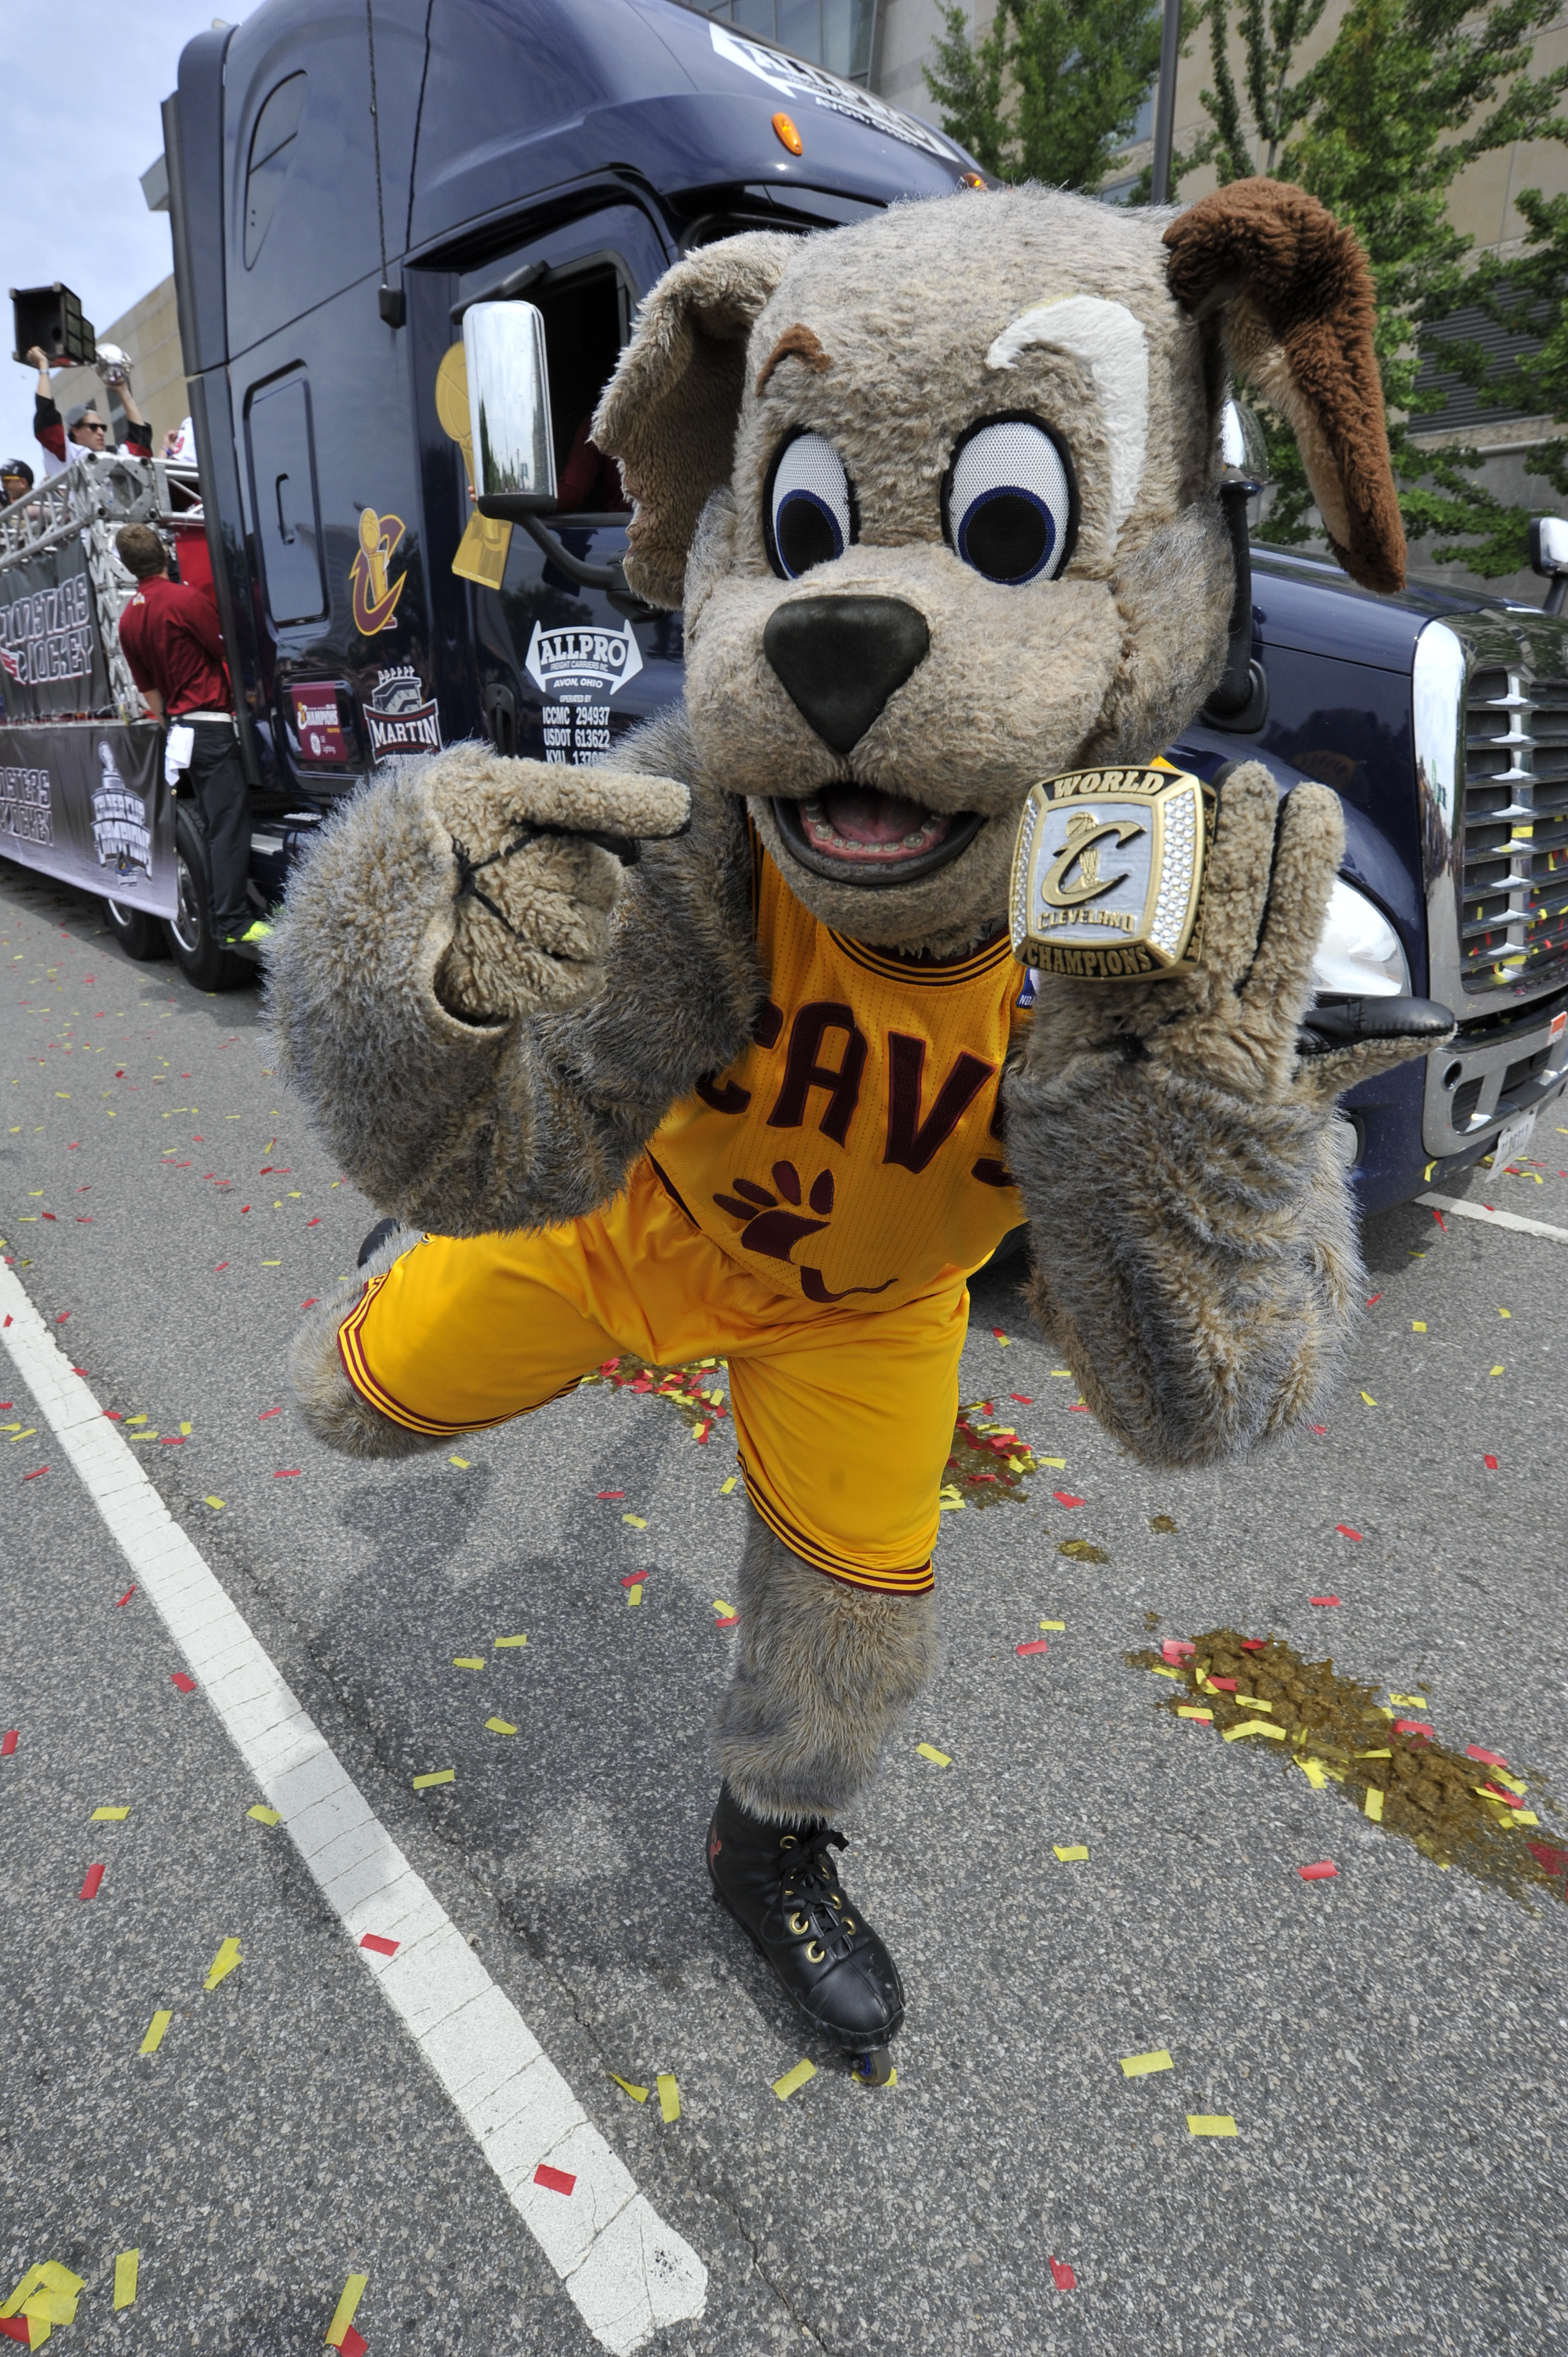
(938, 494)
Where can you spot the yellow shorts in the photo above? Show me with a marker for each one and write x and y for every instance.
(844, 1416)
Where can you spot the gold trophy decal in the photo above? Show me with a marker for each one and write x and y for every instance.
(484, 547)
(1108, 873)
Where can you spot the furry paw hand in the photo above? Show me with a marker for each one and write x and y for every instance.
(537, 854)
(1240, 1021)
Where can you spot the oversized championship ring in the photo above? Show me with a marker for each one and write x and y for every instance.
(1108, 874)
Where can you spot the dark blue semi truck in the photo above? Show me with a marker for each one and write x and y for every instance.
(345, 185)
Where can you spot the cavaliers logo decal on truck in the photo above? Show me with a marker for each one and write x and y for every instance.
(375, 598)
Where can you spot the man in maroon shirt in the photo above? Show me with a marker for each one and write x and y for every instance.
(171, 639)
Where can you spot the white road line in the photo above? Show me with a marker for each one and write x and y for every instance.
(628, 2272)
(1496, 1219)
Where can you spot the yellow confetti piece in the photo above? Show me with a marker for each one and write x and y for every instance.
(461, 1462)
(1410, 1702)
(125, 2265)
(637, 1521)
(343, 2314)
(639, 2094)
(1313, 1771)
(467, 1662)
(1525, 1817)
(1191, 1710)
(1253, 1702)
(109, 1817)
(1418, 1325)
(726, 1486)
(1505, 1313)
(1375, 1804)
(439, 1776)
(1253, 1726)
(186, 1427)
(793, 2080)
(634, 1595)
(938, 1758)
(1514, 1783)
(1369, 1399)
(263, 1816)
(669, 2096)
(1072, 1855)
(1138, 2066)
(1210, 2124)
(499, 1642)
(1157, 1670)
(1384, 1754)
(31, 2282)
(1059, 1462)
(222, 1964)
(155, 2036)
(216, 1504)
(500, 1727)
(273, 1263)
(720, 1606)
(1053, 1624)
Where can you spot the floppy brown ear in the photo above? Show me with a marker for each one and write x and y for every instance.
(1296, 302)
(669, 412)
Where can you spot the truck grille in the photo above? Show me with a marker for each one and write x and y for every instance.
(1513, 910)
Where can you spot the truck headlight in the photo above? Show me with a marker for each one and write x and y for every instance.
(1359, 955)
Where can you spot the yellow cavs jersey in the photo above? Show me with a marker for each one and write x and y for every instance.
(854, 1151)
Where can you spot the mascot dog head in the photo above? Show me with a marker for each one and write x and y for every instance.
(938, 493)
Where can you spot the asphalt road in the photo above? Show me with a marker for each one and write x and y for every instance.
(1390, 2043)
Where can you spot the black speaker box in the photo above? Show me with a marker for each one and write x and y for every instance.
(50, 317)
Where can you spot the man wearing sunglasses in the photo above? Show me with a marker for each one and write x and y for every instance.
(81, 428)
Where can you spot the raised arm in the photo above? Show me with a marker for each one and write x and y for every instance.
(489, 1019)
(1193, 1240)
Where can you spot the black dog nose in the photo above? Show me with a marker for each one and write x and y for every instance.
(840, 659)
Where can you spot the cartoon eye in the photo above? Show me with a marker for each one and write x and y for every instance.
(810, 507)
(1010, 501)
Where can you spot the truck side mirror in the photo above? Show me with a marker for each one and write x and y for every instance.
(509, 410)
(1549, 557)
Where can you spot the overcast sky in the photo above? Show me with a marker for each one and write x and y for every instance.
(78, 125)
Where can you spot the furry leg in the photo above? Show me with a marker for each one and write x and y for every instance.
(824, 1674)
(330, 1405)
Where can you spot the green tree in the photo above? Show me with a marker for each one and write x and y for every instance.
(1406, 94)
(1052, 91)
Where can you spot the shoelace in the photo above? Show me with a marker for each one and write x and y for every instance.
(810, 1886)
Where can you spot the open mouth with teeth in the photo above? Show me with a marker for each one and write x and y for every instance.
(858, 835)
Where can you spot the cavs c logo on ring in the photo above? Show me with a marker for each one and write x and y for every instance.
(375, 599)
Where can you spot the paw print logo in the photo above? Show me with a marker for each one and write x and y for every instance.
(774, 1230)
(769, 1228)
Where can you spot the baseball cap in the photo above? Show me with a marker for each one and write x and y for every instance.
(73, 416)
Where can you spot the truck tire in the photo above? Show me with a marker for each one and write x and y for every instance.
(140, 936)
(193, 945)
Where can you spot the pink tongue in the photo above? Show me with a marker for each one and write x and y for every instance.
(862, 815)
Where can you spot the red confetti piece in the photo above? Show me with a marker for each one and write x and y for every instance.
(1065, 1498)
(1323, 1871)
(609, 1493)
(266, 1412)
(555, 2180)
(289, 1473)
(999, 1334)
(1063, 2277)
(1253, 1644)
(129, 1593)
(78, 1371)
(173, 1440)
(17, 2328)
(728, 1623)
(310, 1304)
(178, 1678)
(1413, 1727)
(1036, 1645)
(8, 1743)
(64, 1313)
(634, 1578)
(1226, 1685)
(378, 1946)
(1178, 1648)
(1372, 1300)
(222, 1265)
(1552, 1860)
(315, 1222)
(1509, 1800)
(1492, 1759)
(1323, 1600)
(49, 1215)
(1320, 1429)
(90, 1881)
(243, 1209)
(36, 1472)
(1490, 1463)
(1024, 1399)
(353, 2344)
(1441, 1221)
(1347, 1532)
(1079, 1408)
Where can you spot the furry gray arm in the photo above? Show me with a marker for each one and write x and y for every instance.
(1195, 1245)
(482, 1064)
